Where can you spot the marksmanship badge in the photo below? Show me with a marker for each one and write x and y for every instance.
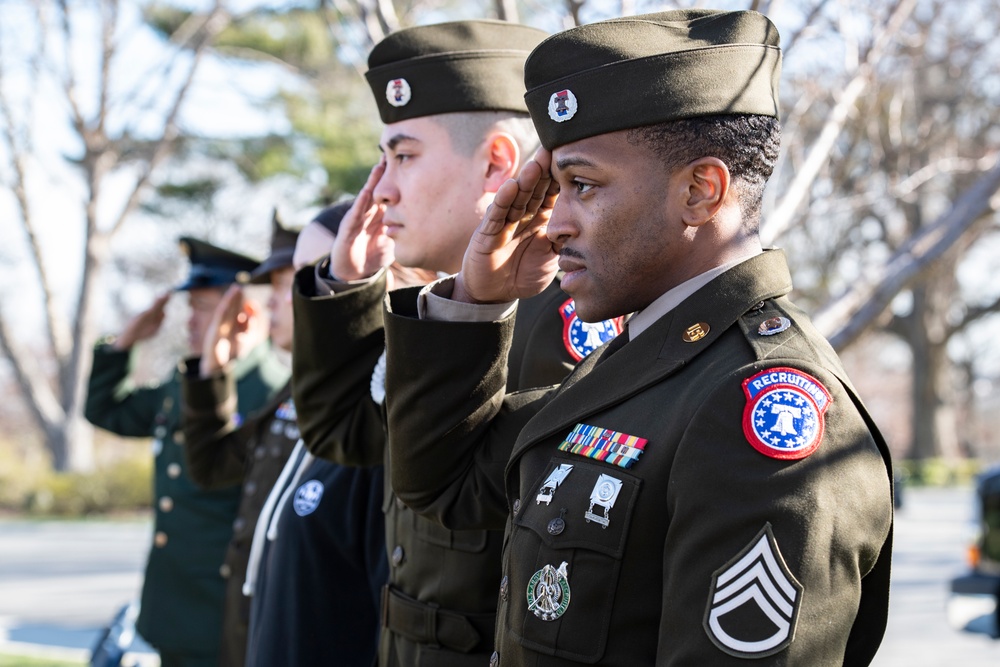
(562, 106)
(398, 93)
(604, 495)
(783, 417)
(552, 482)
(753, 604)
(548, 592)
(581, 337)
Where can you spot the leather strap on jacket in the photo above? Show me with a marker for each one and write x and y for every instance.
(426, 623)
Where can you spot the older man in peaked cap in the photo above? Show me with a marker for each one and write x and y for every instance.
(706, 489)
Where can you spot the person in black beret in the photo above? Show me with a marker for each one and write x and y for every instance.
(451, 96)
(183, 590)
(706, 489)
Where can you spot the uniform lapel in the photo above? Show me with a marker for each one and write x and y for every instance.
(596, 384)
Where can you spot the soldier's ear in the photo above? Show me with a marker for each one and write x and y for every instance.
(503, 156)
(704, 187)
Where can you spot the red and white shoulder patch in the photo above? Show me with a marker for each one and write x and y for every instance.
(783, 417)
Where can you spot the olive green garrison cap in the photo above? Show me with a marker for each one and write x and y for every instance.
(648, 69)
(448, 67)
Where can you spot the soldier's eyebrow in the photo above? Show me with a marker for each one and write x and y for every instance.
(395, 140)
(573, 161)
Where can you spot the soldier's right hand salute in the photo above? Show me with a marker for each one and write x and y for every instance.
(361, 248)
(143, 326)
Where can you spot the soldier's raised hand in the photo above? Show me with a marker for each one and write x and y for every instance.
(509, 256)
(143, 326)
(361, 246)
(221, 344)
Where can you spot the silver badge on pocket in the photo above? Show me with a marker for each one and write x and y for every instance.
(605, 494)
(548, 592)
(552, 482)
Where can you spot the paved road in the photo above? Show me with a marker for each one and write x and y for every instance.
(60, 581)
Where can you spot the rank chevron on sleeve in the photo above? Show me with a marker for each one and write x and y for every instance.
(602, 444)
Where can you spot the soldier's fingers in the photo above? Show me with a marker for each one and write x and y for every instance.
(497, 214)
(527, 182)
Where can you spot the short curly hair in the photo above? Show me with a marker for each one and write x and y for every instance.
(747, 143)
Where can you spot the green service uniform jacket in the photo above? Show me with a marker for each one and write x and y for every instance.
(439, 607)
(182, 593)
(714, 493)
(220, 453)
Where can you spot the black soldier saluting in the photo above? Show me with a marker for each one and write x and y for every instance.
(706, 489)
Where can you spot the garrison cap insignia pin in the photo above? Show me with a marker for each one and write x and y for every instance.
(548, 592)
(552, 482)
(603, 444)
(775, 325)
(562, 105)
(307, 497)
(783, 417)
(582, 338)
(398, 93)
(753, 604)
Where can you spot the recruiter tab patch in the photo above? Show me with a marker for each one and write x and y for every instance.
(783, 417)
(581, 337)
(602, 444)
(754, 601)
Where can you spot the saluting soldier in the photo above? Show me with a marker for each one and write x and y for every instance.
(707, 489)
(182, 593)
(456, 127)
(222, 452)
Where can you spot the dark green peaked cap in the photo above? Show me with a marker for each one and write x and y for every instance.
(643, 70)
(212, 266)
(449, 67)
(282, 248)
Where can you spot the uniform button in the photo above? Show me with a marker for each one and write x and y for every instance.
(225, 570)
(504, 585)
(179, 437)
(168, 403)
(166, 504)
(276, 451)
(250, 487)
(556, 526)
(397, 556)
(160, 431)
(517, 505)
(160, 418)
(174, 470)
(260, 452)
(494, 659)
(239, 524)
(160, 539)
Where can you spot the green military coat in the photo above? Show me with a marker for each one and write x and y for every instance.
(182, 593)
(221, 453)
(728, 500)
(439, 607)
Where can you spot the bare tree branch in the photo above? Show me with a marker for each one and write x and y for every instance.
(846, 317)
(42, 403)
(781, 218)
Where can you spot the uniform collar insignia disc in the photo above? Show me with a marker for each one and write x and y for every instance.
(775, 325)
(696, 332)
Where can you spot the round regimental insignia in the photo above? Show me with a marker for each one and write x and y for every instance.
(562, 105)
(548, 592)
(581, 337)
(783, 417)
(398, 93)
(307, 497)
